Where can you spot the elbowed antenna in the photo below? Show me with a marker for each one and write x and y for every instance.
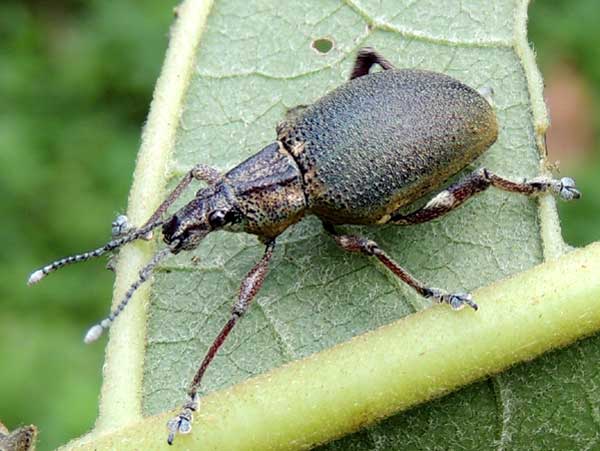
(96, 331)
(38, 275)
(198, 172)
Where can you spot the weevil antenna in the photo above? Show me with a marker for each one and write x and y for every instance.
(96, 331)
(38, 275)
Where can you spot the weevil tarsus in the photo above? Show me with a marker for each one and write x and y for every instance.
(120, 227)
(182, 423)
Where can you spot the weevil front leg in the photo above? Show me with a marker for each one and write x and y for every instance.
(200, 172)
(119, 228)
(121, 225)
(250, 286)
(478, 181)
(353, 243)
(365, 59)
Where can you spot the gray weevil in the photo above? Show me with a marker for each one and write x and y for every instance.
(356, 156)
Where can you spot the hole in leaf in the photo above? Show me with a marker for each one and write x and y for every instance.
(322, 45)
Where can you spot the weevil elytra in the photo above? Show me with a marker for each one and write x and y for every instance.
(356, 156)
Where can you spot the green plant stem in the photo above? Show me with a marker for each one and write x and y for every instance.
(380, 373)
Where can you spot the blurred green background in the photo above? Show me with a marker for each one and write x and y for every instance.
(76, 80)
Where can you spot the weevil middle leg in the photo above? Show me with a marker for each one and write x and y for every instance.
(249, 287)
(476, 182)
(354, 243)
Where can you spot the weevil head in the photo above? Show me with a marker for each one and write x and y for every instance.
(212, 209)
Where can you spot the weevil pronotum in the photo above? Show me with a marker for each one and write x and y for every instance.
(356, 156)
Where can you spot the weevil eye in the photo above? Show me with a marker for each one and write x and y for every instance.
(217, 219)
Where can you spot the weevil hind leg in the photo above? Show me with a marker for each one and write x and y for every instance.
(478, 181)
(365, 59)
(353, 243)
(182, 423)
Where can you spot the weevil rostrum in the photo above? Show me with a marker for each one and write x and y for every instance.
(356, 156)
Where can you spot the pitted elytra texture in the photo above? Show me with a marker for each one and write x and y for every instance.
(380, 142)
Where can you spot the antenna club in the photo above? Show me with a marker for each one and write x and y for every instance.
(93, 334)
(35, 277)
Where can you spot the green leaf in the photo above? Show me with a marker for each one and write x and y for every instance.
(233, 69)
(338, 390)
